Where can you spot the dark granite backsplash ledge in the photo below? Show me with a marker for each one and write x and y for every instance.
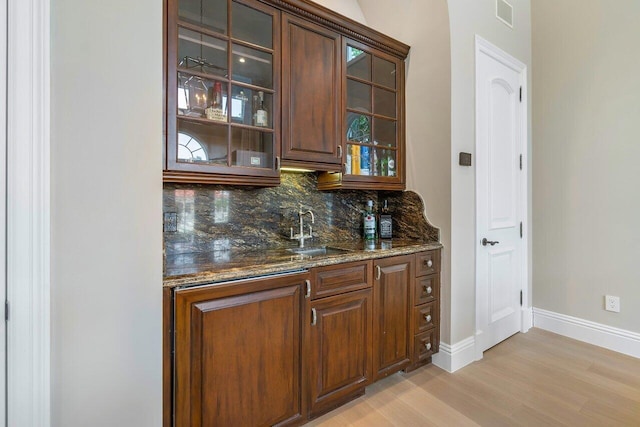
(221, 217)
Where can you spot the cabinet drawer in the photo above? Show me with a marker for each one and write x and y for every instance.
(341, 278)
(424, 317)
(425, 345)
(427, 263)
(427, 289)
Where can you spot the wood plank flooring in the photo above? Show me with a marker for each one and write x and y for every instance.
(533, 379)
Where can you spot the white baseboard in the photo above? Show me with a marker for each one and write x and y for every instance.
(611, 338)
(456, 356)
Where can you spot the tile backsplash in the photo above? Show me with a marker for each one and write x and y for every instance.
(221, 217)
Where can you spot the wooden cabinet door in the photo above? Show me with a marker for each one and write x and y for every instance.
(310, 95)
(339, 349)
(222, 63)
(238, 354)
(392, 314)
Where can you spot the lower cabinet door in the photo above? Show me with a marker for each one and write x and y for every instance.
(338, 349)
(238, 357)
(392, 315)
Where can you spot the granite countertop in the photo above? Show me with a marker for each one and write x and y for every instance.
(220, 266)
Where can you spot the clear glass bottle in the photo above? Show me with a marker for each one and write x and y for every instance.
(369, 222)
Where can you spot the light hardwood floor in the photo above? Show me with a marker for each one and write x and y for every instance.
(533, 379)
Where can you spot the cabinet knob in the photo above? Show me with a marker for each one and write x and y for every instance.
(428, 346)
(428, 263)
(427, 317)
(428, 289)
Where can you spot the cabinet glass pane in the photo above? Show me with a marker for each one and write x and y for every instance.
(198, 97)
(211, 14)
(384, 162)
(202, 143)
(384, 132)
(251, 107)
(360, 160)
(251, 25)
(251, 148)
(358, 63)
(384, 72)
(358, 127)
(384, 102)
(358, 96)
(252, 66)
(202, 53)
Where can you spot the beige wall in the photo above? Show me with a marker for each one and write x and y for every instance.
(348, 8)
(106, 191)
(468, 18)
(586, 199)
(424, 26)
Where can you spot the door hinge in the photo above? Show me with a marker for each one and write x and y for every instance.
(520, 161)
(520, 298)
(6, 311)
(520, 93)
(521, 229)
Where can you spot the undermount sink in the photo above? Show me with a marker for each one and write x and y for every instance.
(317, 251)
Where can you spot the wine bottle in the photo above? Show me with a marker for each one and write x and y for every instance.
(262, 118)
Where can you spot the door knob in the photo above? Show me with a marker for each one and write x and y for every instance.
(486, 242)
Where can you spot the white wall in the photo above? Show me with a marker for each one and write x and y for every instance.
(106, 260)
(468, 18)
(424, 25)
(587, 143)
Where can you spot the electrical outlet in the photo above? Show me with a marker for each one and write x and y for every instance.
(612, 303)
(170, 222)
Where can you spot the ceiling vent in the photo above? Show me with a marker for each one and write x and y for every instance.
(504, 12)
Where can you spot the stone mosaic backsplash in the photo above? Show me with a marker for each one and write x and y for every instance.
(222, 217)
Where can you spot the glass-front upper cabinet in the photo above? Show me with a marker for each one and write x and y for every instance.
(373, 122)
(222, 91)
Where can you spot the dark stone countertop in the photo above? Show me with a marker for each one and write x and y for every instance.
(220, 266)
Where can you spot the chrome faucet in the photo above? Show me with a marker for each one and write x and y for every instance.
(300, 237)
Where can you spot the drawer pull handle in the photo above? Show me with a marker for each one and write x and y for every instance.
(378, 272)
(428, 263)
(314, 316)
(308, 283)
(427, 317)
(428, 346)
(428, 289)
(340, 151)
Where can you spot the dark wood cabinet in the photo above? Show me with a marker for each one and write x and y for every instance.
(238, 354)
(425, 324)
(392, 315)
(339, 355)
(284, 349)
(222, 92)
(339, 338)
(373, 120)
(252, 85)
(310, 95)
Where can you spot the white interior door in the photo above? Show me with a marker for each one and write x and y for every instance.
(499, 199)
